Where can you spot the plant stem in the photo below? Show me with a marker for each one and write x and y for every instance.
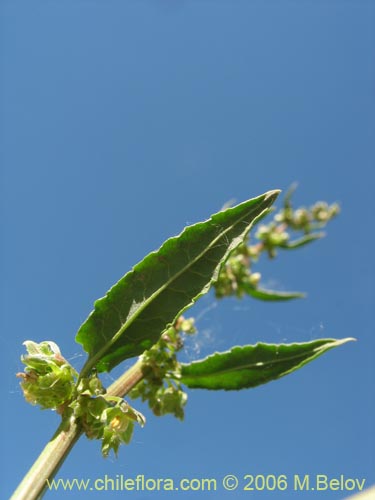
(127, 381)
(35, 483)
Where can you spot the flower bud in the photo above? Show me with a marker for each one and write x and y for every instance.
(254, 279)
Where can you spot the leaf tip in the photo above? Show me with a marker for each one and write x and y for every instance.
(349, 339)
(345, 341)
(273, 193)
(337, 343)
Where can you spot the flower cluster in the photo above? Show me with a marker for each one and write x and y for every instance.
(163, 394)
(236, 276)
(48, 380)
(104, 417)
(51, 382)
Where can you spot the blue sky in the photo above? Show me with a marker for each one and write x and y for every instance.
(123, 121)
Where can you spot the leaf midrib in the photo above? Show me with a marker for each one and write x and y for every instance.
(330, 343)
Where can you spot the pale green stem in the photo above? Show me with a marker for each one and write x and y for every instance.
(127, 381)
(47, 464)
(35, 483)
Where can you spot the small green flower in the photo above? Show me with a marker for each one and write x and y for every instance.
(254, 279)
(118, 422)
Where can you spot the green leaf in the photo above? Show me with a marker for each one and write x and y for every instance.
(300, 242)
(252, 365)
(137, 309)
(272, 295)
